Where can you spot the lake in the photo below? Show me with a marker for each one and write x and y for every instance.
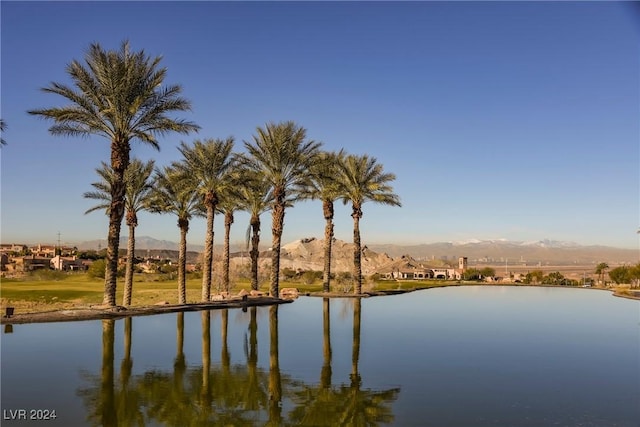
(456, 356)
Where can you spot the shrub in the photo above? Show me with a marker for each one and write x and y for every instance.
(288, 273)
(309, 277)
(97, 269)
(471, 274)
(46, 274)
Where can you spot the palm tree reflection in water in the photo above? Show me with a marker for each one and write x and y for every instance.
(107, 408)
(344, 405)
(205, 393)
(275, 381)
(227, 394)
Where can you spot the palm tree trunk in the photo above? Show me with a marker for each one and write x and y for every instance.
(128, 277)
(182, 261)
(255, 251)
(207, 262)
(278, 225)
(328, 241)
(113, 246)
(357, 251)
(119, 162)
(228, 220)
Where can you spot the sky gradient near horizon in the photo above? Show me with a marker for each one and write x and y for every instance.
(501, 120)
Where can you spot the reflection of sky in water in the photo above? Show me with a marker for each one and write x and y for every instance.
(460, 356)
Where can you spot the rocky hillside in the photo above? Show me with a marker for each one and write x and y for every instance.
(308, 254)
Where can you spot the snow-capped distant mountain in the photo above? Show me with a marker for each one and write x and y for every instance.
(544, 243)
(547, 243)
(545, 250)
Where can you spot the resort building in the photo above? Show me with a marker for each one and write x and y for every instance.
(409, 269)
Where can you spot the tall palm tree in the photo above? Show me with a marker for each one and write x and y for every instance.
(228, 206)
(172, 193)
(601, 269)
(364, 180)
(326, 186)
(207, 163)
(282, 154)
(137, 194)
(117, 94)
(3, 127)
(254, 196)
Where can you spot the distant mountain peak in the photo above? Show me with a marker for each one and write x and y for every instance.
(142, 243)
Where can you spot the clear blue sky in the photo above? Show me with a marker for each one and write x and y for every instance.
(501, 120)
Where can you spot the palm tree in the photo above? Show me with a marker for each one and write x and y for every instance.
(3, 127)
(207, 163)
(137, 191)
(228, 206)
(364, 180)
(117, 94)
(601, 269)
(254, 196)
(172, 193)
(326, 186)
(282, 154)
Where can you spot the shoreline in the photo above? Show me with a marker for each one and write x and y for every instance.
(119, 312)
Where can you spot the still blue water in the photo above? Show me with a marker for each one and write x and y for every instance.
(462, 356)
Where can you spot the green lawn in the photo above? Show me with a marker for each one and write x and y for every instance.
(57, 291)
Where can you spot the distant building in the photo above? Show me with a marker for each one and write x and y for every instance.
(67, 263)
(31, 263)
(462, 264)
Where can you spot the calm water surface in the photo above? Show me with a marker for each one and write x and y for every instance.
(469, 356)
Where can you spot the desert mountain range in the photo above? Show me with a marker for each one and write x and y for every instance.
(307, 253)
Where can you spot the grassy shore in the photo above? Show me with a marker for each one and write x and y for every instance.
(33, 294)
(37, 294)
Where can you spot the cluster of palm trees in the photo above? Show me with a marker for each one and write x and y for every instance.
(118, 94)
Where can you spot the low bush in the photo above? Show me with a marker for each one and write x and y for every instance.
(46, 274)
